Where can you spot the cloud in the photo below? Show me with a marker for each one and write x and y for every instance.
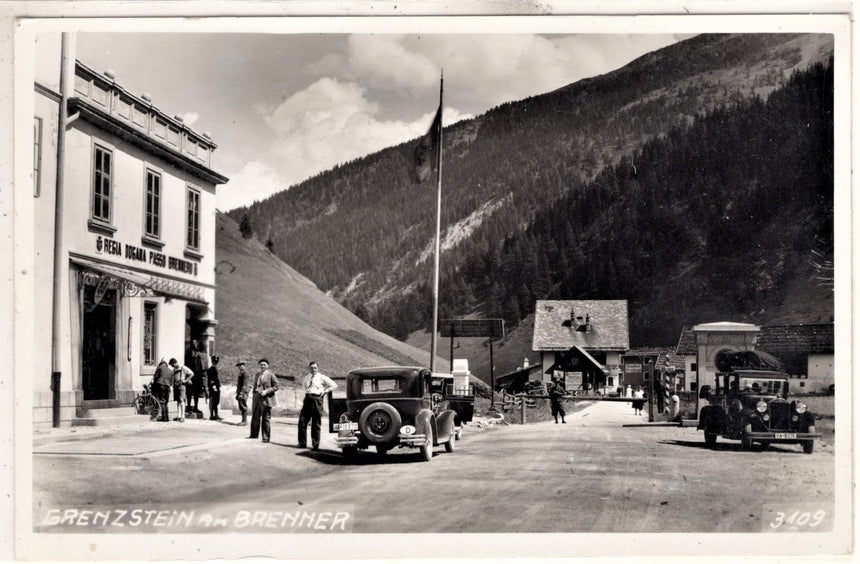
(190, 118)
(363, 99)
(251, 181)
(484, 70)
(332, 122)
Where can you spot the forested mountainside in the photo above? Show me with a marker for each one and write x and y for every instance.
(680, 182)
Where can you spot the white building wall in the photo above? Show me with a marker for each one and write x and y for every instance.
(820, 372)
(547, 360)
(127, 210)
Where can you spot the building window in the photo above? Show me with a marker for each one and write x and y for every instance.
(150, 318)
(192, 234)
(693, 367)
(102, 184)
(37, 157)
(153, 204)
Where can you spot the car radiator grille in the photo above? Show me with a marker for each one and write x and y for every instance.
(780, 415)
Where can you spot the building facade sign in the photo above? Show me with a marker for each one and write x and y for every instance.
(108, 246)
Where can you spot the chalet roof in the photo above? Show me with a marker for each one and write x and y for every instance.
(686, 342)
(793, 344)
(813, 339)
(517, 379)
(607, 321)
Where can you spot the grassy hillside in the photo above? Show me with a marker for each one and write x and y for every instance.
(267, 309)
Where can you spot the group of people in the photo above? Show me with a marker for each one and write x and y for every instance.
(315, 385)
(197, 377)
(182, 380)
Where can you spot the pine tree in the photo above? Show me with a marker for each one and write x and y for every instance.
(246, 228)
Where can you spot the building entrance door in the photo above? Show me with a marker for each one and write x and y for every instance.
(99, 345)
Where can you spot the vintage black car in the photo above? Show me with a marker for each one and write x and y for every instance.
(399, 406)
(752, 406)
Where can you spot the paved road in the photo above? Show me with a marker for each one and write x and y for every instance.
(593, 474)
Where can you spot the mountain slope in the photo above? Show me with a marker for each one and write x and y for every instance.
(266, 309)
(360, 231)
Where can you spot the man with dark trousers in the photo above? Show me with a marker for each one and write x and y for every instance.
(243, 386)
(315, 386)
(265, 386)
(162, 381)
(556, 392)
(213, 383)
(199, 364)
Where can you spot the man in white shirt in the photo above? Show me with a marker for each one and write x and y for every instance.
(315, 386)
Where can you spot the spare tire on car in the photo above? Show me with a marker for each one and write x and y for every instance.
(379, 422)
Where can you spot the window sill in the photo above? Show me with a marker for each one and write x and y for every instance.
(192, 254)
(100, 227)
(150, 241)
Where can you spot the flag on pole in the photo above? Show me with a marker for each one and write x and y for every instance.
(426, 149)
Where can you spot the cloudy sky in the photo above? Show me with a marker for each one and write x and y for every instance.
(284, 107)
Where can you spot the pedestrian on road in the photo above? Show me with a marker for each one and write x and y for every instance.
(265, 386)
(161, 382)
(638, 400)
(315, 386)
(556, 392)
(181, 378)
(243, 386)
(213, 382)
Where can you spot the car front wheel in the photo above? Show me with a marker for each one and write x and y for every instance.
(809, 446)
(746, 442)
(427, 447)
(449, 446)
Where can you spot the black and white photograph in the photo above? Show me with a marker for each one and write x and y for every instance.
(399, 282)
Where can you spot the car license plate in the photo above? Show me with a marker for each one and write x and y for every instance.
(350, 426)
(785, 435)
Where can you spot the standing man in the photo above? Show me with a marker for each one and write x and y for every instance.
(556, 392)
(181, 378)
(213, 382)
(315, 386)
(265, 386)
(161, 382)
(243, 386)
(199, 364)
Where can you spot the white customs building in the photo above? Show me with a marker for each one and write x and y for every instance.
(124, 212)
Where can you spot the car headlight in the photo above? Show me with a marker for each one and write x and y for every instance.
(407, 430)
(800, 407)
(766, 417)
(761, 407)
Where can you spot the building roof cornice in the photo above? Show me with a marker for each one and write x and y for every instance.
(111, 124)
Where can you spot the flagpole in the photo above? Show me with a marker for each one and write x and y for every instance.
(438, 225)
